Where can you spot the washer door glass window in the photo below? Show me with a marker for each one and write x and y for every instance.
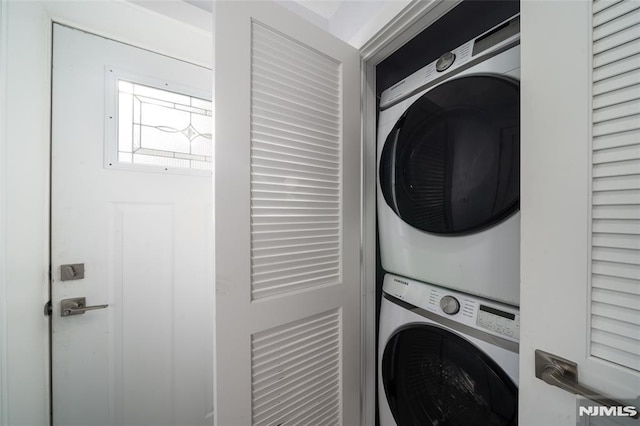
(451, 164)
(434, 377)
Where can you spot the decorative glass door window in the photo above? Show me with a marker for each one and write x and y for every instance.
(161, 128)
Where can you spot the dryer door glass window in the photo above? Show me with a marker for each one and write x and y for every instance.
(434, 377)
(451, 164)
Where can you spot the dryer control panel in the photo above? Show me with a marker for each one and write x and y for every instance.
(488, 44)
(489, 316)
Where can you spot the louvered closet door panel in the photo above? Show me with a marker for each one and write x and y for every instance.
(615, 294)
(295, 166)
(287, 220)
(296, 372)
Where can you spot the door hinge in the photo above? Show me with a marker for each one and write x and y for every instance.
(48, 309)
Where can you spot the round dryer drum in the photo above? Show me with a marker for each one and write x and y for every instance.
(451, 164)
(434, 377)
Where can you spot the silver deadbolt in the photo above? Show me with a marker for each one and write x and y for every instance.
(73, 271)
(76, 306)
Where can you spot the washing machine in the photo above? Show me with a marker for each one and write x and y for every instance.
(445, 357)
(449, 169)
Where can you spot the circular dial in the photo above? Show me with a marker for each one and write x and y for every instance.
(450, 305)
(445, 61)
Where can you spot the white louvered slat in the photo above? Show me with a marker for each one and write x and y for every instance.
(295, 372)
(623, 109)
(607, 325)
(600, 5)
(614, 312)
(612, 15)
(616, 269)
(625, 197)
(615, 226)
(617, 139)
(620, 168)
(616, 284)
(616, 183)
(616, 212)
(616, 255)
(283, 93)
(615, 355)
(626, 30)
(623, 22)
(295, 166)
(616, 240)
(615, 340)
(616, 97)
(623, 124)
(622, 66)
(619, 53)
(615, 252)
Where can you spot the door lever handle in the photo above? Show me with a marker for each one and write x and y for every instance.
(76, 306)
(560, 372)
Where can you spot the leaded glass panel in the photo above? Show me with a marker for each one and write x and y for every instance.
(162, 128)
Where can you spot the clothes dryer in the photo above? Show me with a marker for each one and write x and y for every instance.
(446, 358)
(449, 169)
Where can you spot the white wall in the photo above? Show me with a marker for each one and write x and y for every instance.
(25, 166)
(25, 55)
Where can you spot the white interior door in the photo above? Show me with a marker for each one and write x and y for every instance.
(580, 206)
(132, 202)
(288, 220)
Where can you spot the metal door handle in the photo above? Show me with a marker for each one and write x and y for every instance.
(563, 373)
(77, 306)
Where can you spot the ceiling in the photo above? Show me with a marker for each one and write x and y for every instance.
(353, 21)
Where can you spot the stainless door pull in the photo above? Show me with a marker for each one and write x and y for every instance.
(77, 306)
(563, 373)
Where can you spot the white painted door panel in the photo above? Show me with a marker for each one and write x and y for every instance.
(569, 253)
(145, 238)
(287, 220)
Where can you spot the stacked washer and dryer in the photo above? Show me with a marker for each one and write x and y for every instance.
(449, 229)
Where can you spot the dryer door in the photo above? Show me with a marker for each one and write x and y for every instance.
(434, 377)
(451, 164)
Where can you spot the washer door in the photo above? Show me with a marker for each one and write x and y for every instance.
(434, 377)
(451, 164)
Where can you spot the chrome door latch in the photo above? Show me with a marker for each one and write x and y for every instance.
(76, 306)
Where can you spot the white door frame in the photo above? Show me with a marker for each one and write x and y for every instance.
(24, 185)
(4, 32)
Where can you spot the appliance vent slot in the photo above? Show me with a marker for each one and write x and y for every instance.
(296, 166)
(615, 239)
(296, 372)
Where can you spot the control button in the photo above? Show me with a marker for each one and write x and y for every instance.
(450, 305)
(445, 61)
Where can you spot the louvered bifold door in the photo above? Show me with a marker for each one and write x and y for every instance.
(615, 294)
(295, 166)
(287, 220)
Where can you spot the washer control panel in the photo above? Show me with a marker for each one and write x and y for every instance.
(489, 316)
(498, 321)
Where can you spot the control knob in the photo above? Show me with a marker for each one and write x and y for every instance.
(450, 305)
(445, 61)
